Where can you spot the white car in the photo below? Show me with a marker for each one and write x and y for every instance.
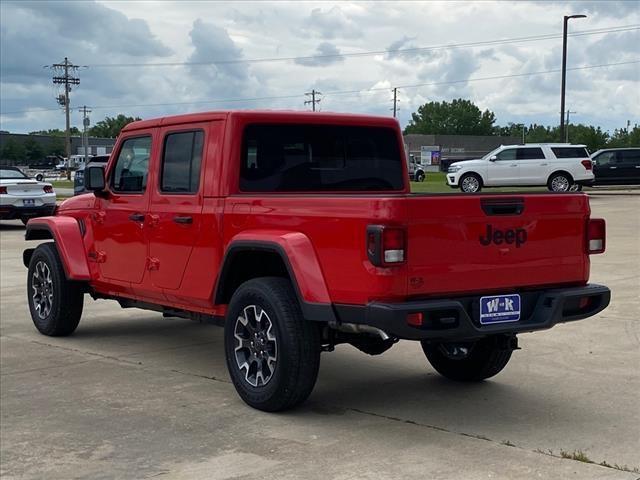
(22, 197)
(561, 167)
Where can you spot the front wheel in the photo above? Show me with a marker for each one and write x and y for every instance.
(470, 183)
(272, 353)
(467, 361)
(55, 303)
(420, 176)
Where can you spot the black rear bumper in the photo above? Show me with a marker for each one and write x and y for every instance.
(458, 318)
(11, 212)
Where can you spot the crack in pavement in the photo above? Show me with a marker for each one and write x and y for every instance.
(486, 439)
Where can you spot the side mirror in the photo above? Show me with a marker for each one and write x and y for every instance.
(493, 158)
(94, 179)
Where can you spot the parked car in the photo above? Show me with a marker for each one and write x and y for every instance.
(617, 166)
(78, 178)
(22, 197)
(416, 170)
(561, 167)
(297, 232)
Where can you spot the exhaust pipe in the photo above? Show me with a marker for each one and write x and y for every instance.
(359, 328)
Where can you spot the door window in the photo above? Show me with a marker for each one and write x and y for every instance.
(181, 162)
(605, 158)
(132, 166)
(629, 157)
(509, 154)
(529, 154)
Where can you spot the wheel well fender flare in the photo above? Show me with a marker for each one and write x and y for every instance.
(557, 172)
(475, 174)
(67, 236)
(298, 256)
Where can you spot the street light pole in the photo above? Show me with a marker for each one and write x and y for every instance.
(564, 68)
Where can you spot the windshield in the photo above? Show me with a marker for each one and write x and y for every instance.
(8, 173)
(491, 153)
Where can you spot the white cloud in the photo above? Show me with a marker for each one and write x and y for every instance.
(108, 32)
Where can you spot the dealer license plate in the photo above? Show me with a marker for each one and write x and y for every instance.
(29, 202)
(499, 309)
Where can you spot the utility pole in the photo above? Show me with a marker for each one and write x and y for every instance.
(85, 134)
(395, 101)
(566, 130)
(564, 69)
(313, 100)
(67, 80)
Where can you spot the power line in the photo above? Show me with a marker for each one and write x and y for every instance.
(401, 51)
(313, 100)
(395, 101)
(65, 77)
(336, 92)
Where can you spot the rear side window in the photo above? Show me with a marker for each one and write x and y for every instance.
(570, 152)
(132, 166)
(629, 157)
(181, 160)
(530, 154)
(289, 158)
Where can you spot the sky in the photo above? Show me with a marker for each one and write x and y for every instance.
(152, 59)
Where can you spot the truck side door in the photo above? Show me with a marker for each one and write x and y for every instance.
(605, 167)
(504, 169)
(120, 243)
(534, 168)
(175, 210)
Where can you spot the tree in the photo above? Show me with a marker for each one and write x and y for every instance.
(13, 151)
(56, 132)
(110, 127)
(33, 149)
(624, 138)
(460, 117)
(593, 137)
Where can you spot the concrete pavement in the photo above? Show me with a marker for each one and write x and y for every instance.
(134, 395)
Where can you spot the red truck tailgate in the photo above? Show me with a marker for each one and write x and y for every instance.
(481, 243)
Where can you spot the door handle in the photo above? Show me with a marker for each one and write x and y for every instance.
(137, 217)
(513, 165)
(637, 166)
(183, 220)
(612, 168)
(544, 164)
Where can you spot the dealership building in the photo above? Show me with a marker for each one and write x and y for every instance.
(437, 152)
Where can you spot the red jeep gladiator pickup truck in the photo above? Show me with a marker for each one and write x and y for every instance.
(297, 231)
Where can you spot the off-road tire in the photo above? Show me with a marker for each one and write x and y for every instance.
(66, 301)
(298, 345)
(486, 358)
(470, 175)
(556, 177)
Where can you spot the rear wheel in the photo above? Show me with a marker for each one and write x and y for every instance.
(560, 182)
(272, 353)
(55, 303)
(468, 361)
(470, 183)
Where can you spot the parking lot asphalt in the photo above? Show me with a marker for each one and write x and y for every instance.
(135, 395)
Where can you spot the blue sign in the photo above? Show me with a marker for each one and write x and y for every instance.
(499, 309)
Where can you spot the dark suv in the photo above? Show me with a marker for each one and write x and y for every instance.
(78, 179)
(617, 166)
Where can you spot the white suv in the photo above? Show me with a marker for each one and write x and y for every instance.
(561, 167)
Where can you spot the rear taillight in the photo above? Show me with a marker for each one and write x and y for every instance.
(47, 189)
(588, 164)
(386, 246)
(596, 236)
(3, 190)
